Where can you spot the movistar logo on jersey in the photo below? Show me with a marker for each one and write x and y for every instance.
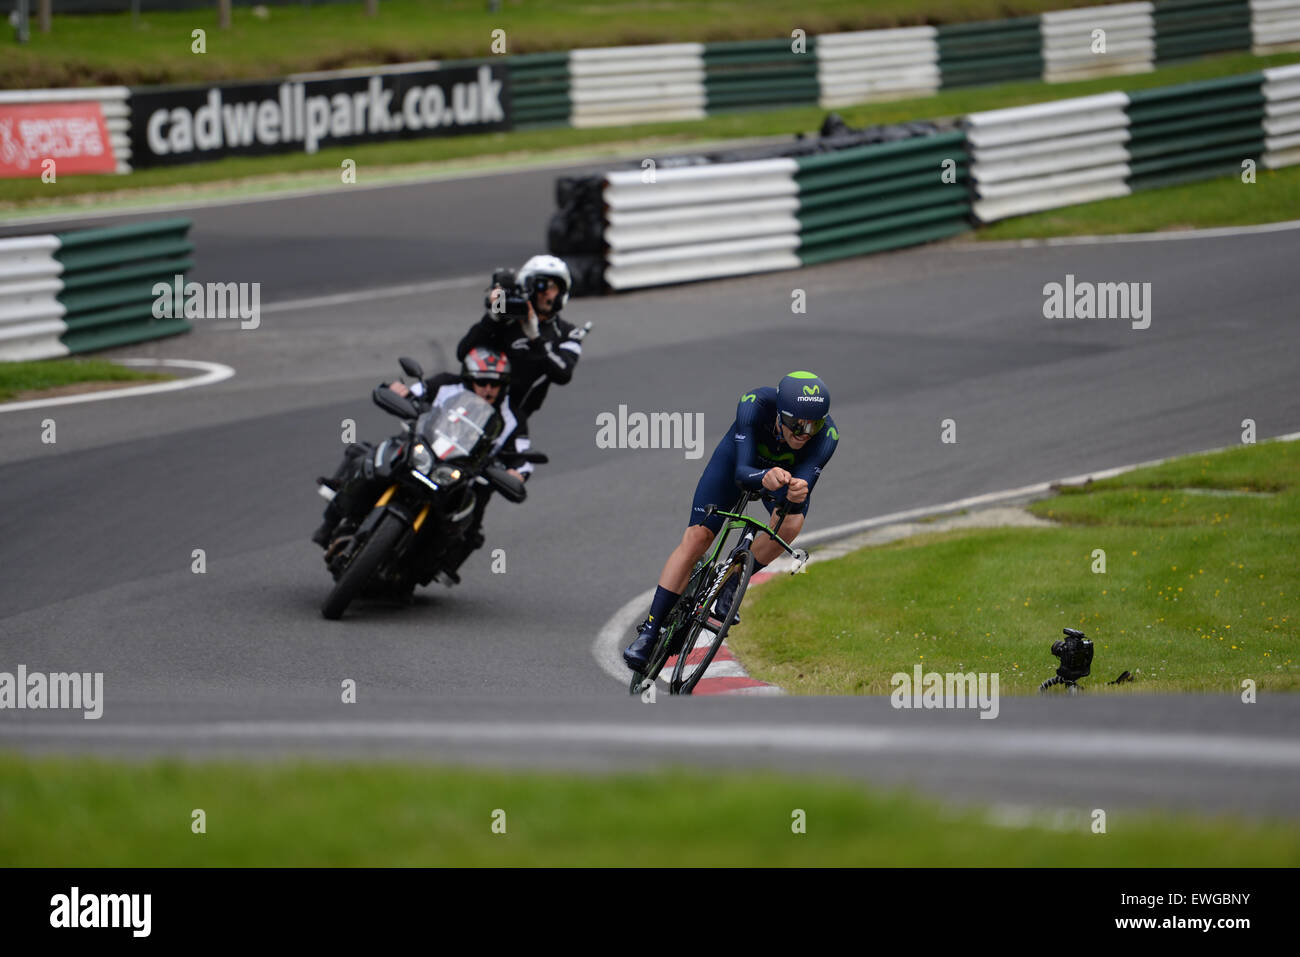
(749, 397)
(811, 389)
(771, 456)
(834, 434)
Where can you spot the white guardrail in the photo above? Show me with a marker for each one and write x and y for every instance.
(1098, 41)
(114, 104)
(31, 316)
(1274, 26)
(700, 222)
(877, 65)
(1281, 116)
(615, 85)
(1031, 158)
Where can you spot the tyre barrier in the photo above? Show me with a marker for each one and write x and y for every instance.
(1274, 26)
(79, 291)
(831, 198)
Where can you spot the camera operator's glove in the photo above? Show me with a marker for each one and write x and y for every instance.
(530, 325)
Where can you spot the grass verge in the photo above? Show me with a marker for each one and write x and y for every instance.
(1273, 197)
(90, 49)
(61, 812)
(321, 169)
(36, 379)
(1199, 591)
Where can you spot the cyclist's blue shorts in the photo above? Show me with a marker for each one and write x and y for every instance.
(717, 486)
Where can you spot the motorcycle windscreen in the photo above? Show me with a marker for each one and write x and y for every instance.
(459, 426)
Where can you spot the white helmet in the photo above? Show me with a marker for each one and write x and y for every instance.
(552, 267)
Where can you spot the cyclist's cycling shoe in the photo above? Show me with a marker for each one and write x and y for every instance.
(722, 603)
(637, 654)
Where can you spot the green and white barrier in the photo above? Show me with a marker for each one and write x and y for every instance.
(637, 84)
(885, 196)
(1080, 150)
(1031, 158)
(700, 222)
(89, 289)
(1274, 26)
(1195, 131)
(733, 219)
(1098, 41)
(1190, 28)
(31, 316)
(877, 65)
(1281, 91)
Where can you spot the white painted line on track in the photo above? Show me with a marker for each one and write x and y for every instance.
(211, 372)
(606, 648)
(1216, 232)
(1213, 749)
(366, 295)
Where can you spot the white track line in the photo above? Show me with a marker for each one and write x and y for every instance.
(1216, 749)
(1216, 232)
(379, 292)
(607, 644)
(212, 372)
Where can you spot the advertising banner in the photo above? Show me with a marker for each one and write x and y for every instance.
(73, 135)
(193, 124)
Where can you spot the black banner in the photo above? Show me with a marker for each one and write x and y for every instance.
(193, 124)
(1231, 908)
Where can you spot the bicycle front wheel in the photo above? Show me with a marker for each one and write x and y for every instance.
(695, 657)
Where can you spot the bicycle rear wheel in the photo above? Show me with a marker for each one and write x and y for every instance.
(693, 661)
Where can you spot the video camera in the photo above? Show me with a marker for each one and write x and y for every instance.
(1075, 653)
(515, 302)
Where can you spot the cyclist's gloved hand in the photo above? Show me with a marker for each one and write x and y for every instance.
(775, 478)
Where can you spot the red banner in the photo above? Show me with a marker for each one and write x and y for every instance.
(73, 135)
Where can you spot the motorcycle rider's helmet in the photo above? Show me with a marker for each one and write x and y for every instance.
(485, 365)
(552, 267)
(803, 398)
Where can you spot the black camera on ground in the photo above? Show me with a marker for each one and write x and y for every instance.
(1075, 653)
(514, 304)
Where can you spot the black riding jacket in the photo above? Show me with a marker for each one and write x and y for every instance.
(535, 364)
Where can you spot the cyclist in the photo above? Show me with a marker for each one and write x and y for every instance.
(779, 443)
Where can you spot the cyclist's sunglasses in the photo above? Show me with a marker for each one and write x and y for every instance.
(802, 426)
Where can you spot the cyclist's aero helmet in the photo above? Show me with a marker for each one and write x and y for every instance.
(482, 364)
(552, 267)
(802, 395)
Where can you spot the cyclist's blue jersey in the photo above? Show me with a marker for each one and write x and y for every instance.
(753, 445)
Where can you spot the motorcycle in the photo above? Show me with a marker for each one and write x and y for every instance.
(428, 474)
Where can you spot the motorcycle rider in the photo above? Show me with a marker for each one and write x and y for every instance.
(484, 371)
(543, 348)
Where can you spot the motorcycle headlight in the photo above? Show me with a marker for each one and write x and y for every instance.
(445, 475)
(422, 458)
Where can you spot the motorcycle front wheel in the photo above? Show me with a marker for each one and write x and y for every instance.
(363, 566)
